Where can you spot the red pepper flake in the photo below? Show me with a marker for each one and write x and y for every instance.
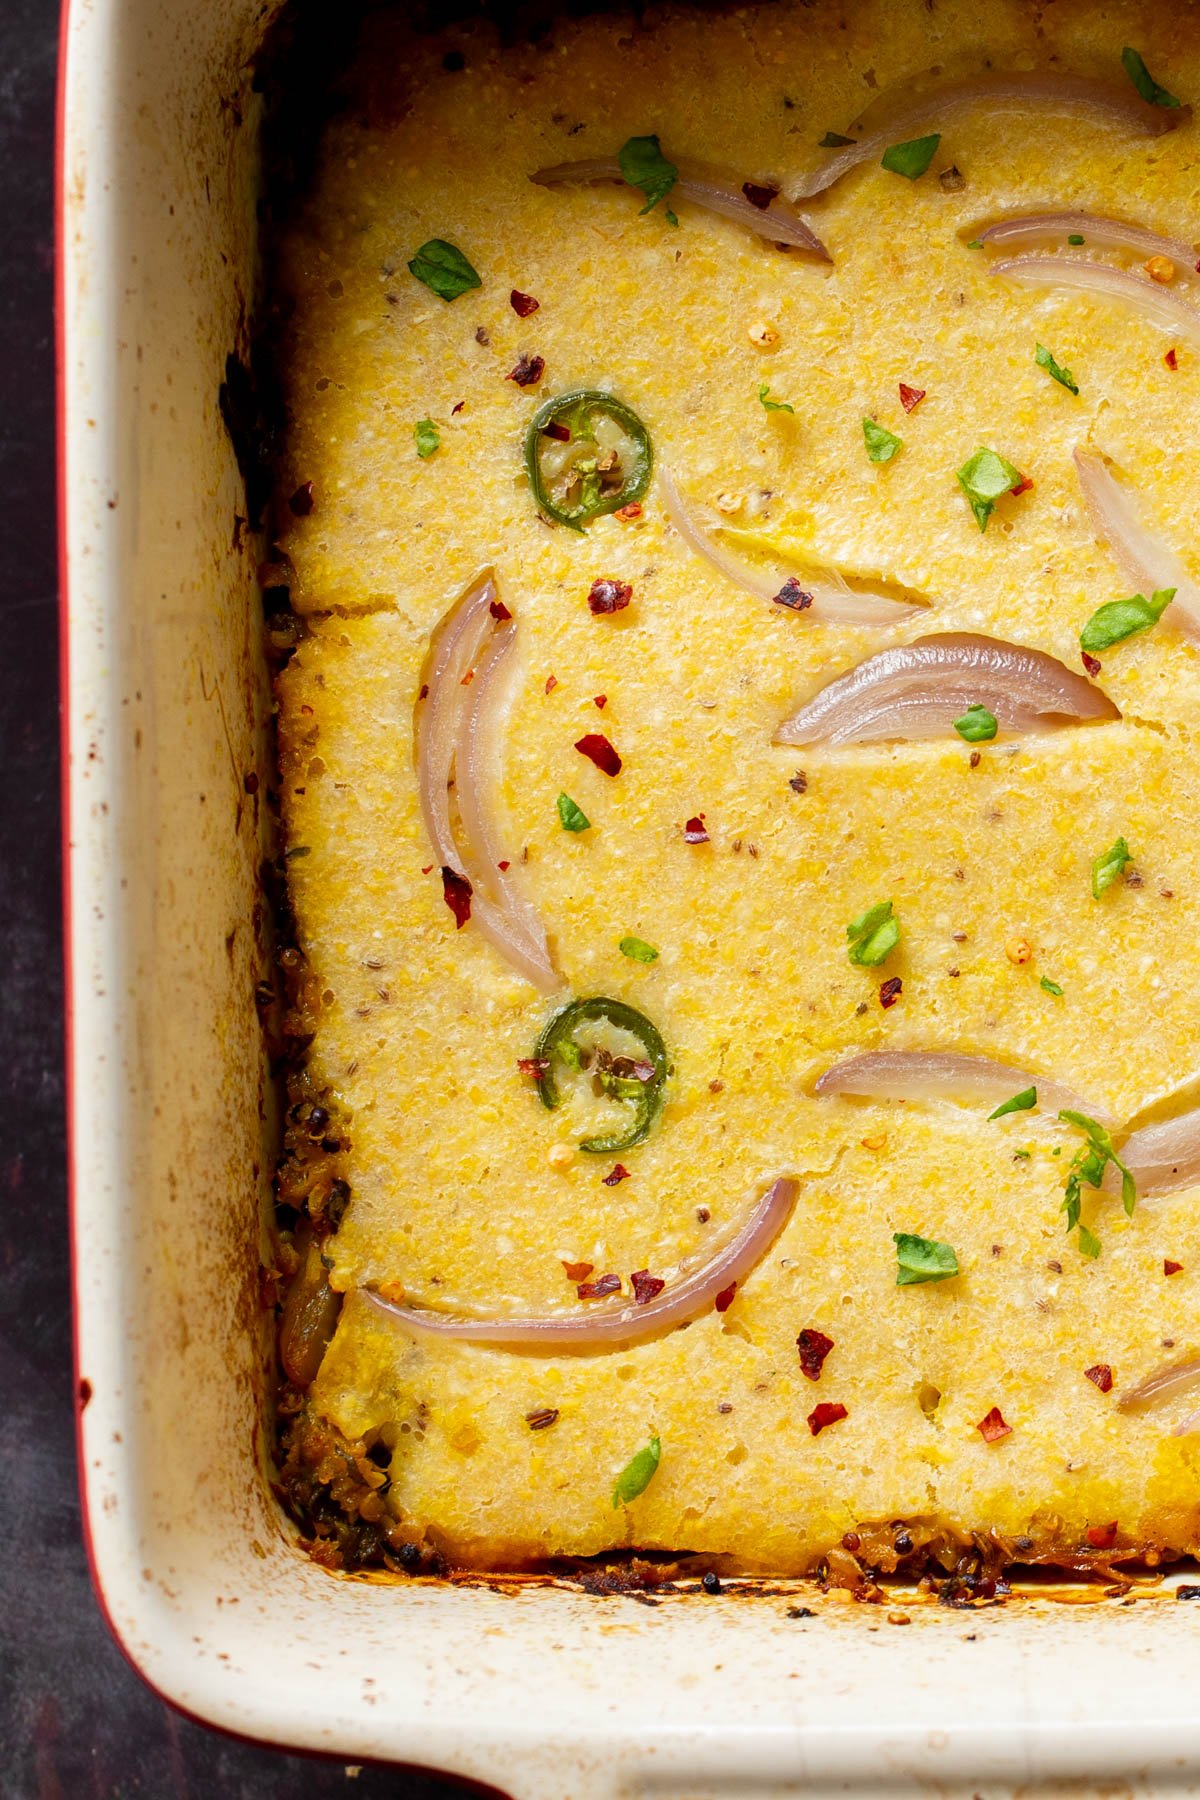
(1172, 358)
(503, 867)
(301, 501)
(1171, 1268)
(645, 1285)
(631, 510)
(468, 678)
(694, 832)
(535, 1067)
(890, 991)
(424, 693)
(1102, 1537)
(827, 1413)
(578, 1271)
(551, 683)
(910, 397)
(595, 745)
(596, 1290)
(791, 594)
(529, 370)
(554, 430)
(457, 891)
(1023, 486)
(759, 196)
(427, 868)
(992, 1428)
(1091, 664)
(799, 782)
(1101, 1374)
(607, 596)
(600, 700)
(522, 304)
(724, 1299)
(616, 1175)
(814, 1347)
(499, 611)
(456, 409)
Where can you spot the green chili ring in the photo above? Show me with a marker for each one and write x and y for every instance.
(647, 1096)
(582, 404)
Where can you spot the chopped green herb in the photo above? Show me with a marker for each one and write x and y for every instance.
(1144, 81)
(975, 244)
(297, 850)
(1119, 619)
(637, 1474)
(922, 1259)
(833, 140)
(570, 816)
(882, 445)
(1022, 1155)
(977, 725)
(1088, 1165)
(1076, 237)
(983, 478)
(1050, 987)
(873, 936)
(1110, 867)
(644, 166)
(911, 159)
(444, 268)
(638, 950)
(1022, 1102)
(1064, 377)
(428, 437)
(764, 389)
(1089, 1243)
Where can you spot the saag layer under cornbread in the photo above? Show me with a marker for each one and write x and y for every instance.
(466, 1194)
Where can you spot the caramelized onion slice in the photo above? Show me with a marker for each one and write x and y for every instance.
(1166, 1383)
(900, 113)
(456, 738)
(708, 188)
(1032, 229)
(830, 595)
(944, 1075)
(600, 1327)
(1144, 561)
(1165, 1157)
(917, 690)
(1162, 306)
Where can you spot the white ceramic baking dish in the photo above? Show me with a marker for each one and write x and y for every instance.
(540, 1690)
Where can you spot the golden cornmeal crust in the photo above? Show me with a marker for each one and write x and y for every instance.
(428, 1166)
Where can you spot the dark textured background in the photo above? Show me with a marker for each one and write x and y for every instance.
(75, 1721)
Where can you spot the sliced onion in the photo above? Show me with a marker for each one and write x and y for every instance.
(900, 113)
(601, 1327)
(1046, 228)
(1186, 1426)
(944, 1075)
(709, 188)
(456, 728)
(917, 690)
(1166, 1383)
(1144, 561)
(1165, 1157)
(832, 597)
(1162, 306)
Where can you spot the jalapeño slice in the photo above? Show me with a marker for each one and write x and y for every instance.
(586, 454)
(637, 1080)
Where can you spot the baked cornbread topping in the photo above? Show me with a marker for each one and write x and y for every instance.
(737, 772)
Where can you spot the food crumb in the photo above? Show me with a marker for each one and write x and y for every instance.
(762, 334)
(560, 1157)
(1018, 950)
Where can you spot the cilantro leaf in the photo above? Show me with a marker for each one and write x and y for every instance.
(644, 166)
(977, 725)
(873, 936)
(983, 478)
(570, 816)
(921, 1259)
(1089, 1165)
(1119, 619)
(1089, 1243)
(911, 159)
(882, 445)
(1050, 987)
(427, 438)
(1143, 80)
(637, 1474)
(1109, 867)
(1076, 237)
(444, 269)
(1022, 1102)
(833, 140)
(637, 950)
(1044, 360)
(764, 388)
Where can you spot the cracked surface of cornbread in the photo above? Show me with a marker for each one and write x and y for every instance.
(466, 1195)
